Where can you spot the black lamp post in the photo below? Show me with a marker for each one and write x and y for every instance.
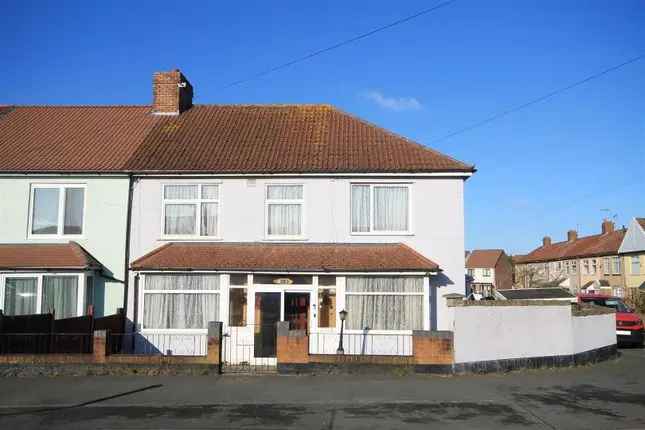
(343, 315)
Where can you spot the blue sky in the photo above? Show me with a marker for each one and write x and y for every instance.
(543, 170)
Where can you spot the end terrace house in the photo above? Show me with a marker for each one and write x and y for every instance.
(254, 214)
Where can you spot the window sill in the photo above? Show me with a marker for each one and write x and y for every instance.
(285, 239)
(55, 237)
(190, 238)
(384, 233)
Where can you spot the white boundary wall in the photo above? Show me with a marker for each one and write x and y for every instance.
(499, 332)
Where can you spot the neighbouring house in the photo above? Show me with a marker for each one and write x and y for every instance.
(575, 263)
(536, 294)
(245, 214)
(488, 270)
(632, 253)
(61, 180)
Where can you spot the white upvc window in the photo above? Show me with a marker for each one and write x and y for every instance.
(190, 211)
(636, 265)
(616, 265)
(180, 301)
(284, 211)
(34, 293)
(486, 272)
(384, 303)
(57, 210)
(606, 266)
(380, 209)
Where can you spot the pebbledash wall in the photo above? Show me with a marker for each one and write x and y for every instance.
(437, 227)
(497, 335)
(105, 218)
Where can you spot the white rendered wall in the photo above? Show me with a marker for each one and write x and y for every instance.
(499, 332)
(485, 333)
(593, 331)
(437, 221)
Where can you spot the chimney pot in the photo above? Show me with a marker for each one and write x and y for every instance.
(546, 241)
(607, 226)
(572, 236)
(172, 94)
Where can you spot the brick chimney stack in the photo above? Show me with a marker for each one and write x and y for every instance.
(572, 236)
(607, 226)
(172, 94)
(546, 241)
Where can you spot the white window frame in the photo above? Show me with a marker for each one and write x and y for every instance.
(425, 303)
(615, 263)
(486, 272)
(198, 211)
(61, 187)
(372, 232)
(143, 291)
(635, 258)
(80, 289)
(301, 202)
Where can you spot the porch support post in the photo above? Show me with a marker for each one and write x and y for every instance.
(214, 345)
(99, 348)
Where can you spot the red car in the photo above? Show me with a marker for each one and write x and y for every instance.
(629, 327)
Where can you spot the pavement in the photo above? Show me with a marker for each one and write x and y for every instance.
(603, 396)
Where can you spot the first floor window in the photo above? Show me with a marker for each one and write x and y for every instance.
(607, 265)
(380, 208)
(180, 301)
(284, 210)
(486, 273)
(57, 210)
(191, 210)
(594, 266)
(384, 303)
(636, 265)
(471, 272)
(586, 267)
(20, 296)
(616, 265)
(574, 266)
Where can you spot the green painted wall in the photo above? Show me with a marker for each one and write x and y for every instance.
(105, 225)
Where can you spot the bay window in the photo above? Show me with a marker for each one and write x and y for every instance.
(42, 293)
(191, 210)
(57, 210)
(380, 208)
(284, 211)
(180, 301)
(384, 302)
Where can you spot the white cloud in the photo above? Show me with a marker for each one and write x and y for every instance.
(393, 103)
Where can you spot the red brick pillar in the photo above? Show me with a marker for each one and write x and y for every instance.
(292, 349)
(433, 351)
(214, 354)
(99, 347)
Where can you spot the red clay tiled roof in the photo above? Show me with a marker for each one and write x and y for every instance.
(483, 258)
(74, 138)
(286, 257)
(46, 256)
(207, 138)
(588, 246)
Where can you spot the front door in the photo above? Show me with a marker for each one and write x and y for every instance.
(267, 315)
(296, 310)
